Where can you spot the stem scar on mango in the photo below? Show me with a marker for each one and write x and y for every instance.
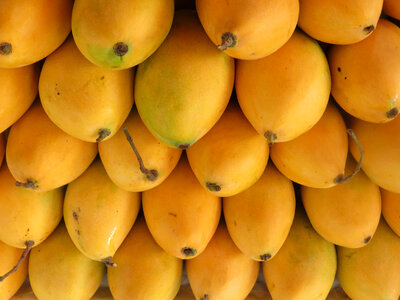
(29, 245)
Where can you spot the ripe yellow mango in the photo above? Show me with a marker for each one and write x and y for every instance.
(144, 270)
(99, 215)
(391, 209)
(339, 21)
(122, 165)
(183, 88)
(259, 218)
(18, 89)
(58, 270)
(231, 157)
(182, 216)
(251, 29)
(372, 272)
(120, 34)
(31, 30)
(84, 100)
(316, 158)
(9, 257)
(366, 83)
(43, 157)
(381, 143)
(2, 147)
(392, 8)
(305, 266)
(26, 215)
(284, 94)
(346, 214)
(222, 272)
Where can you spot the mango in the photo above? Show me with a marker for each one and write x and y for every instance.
(31, 30)
(391, 210)
(18, 90)
(259, 218)
(222, 272)
(184, 87)
(283, 95)
(231, 157)
(43, 157)
(381, 143)
(57, 270)
(316, 158)
(346, 214)
(392, 8)
(86, 101)
(305, 266)
(98, 215)
(182, 216)
(123, 166)
(372, 272)
(2, 147)
(339, 21)
(251, 29)
(120, 34)
(9, 257)
(366, 83)
(144, 270)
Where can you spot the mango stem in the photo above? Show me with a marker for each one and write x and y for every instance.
(29, 245)
(108, 262)
(151, 175)
(228, 40)
(29, 184)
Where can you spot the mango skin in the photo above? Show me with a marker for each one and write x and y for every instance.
(144, 270)
(9, 257)
(339, 21)
(222, 271)
(170, 92)
(26, 215)
(57, 270)
(261, 27)
(231, 155)
(37, 149)
(82, 98)
(391, 209)
(2, 147)
(285, 93)
(366, 83)
(305, 266)
(392, 8)
(42, 27)
(98, 215)
(259, 218)
(346, 214)
(381, 143)
(19, 87)
(371, 272)
(318, 156)
(122, 165)
(180, 213)
(142, 25)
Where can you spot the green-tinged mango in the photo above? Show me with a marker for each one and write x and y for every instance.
(316, 158)
(391, 209)
(182, 216)
(41, 156)
(222, 271)
(284, 94)
(183, 88)
(365, 75)
(381, 144)
(259, 218)
(144, 270)
(84, 100)
(372, 272)
(122, 165)
(31, 30)
(305, 266)
(98, 214)
(346, 214)
(231, 157)
(120, 34)
(58, 270)
(9, 256)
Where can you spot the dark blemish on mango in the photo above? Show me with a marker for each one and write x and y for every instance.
(184, 146)
(345, 78)
(368, 29)
(5, 48)
(213, 187)
(367, 239)
(188, 252)
(103, 133)
(76, 216)
(172, 214)
(339, 69)
(265, 257)
(392, 113)
(228, 40)
(120, 49)
(77, 231)
(102, 77)
(271, 137)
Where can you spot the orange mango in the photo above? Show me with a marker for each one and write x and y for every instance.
(2, 147)
(392, 8)
(391, 210)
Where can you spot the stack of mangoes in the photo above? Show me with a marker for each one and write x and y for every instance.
(144, 138)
